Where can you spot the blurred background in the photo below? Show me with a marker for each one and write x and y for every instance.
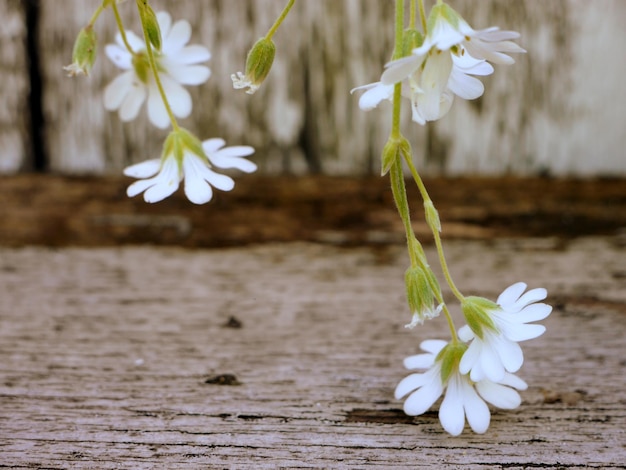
(540, 154)
(559, 111)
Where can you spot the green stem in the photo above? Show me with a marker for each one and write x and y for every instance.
(436, 235)
(120, 27)
(96, 14)
(412, 13)
(280, 19)
(157, 79)
(423, 17)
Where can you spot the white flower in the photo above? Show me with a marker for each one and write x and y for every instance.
(441, 67)
(463, 398)
(177, 65)
(184, 159)
(494, 349)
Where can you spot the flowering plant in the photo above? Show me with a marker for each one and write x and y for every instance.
(430, 67)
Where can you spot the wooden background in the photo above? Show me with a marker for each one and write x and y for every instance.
(559, 110)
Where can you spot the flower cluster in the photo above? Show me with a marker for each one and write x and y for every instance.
(184, 156)
(442, 66)
(478, 372)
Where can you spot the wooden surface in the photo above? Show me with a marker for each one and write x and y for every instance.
(58, 211)
(285, 354)
(105, 354)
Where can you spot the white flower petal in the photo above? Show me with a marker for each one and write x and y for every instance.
(491, 364)
(211, 146)
(499, 395)
(433, 346)
(410, 383)
(464, 86)
(189, 74)
(470, 357)
(119, 56)
(434, 81)
(192, 54)
(144, 169)
(165, 23)
(156, 109)
(134, 41)
(177, 37)
(511, 294)
(197, 189)
(534, 312)
(530, 297)
(423, 398)
(132, 103)
(419, 361)
(476, 410)
(525, 332)
(398, 70)
(116, 91)
(451, 413)
(514, 381)
(167, 182)
(179, 98)
(465, 333)
(510, 354)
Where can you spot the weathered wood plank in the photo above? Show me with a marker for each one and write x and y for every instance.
(553, 112)
(57, 210)
(14, 109)
(104, 354)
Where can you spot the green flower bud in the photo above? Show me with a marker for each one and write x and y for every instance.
(422, 292)
(258, 65)
(432, 216)
(476, 311)
(84, 53)
(149, 23)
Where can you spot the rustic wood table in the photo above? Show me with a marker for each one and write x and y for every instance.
(286, 354)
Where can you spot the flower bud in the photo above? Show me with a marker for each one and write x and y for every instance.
(150, 24)
(432, 216)
(422, 292)
(84, 53)
(258, 66)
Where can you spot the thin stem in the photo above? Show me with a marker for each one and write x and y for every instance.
(398, 190)
(157, 79)
(436, 235)
(120, 27)
(280, 19)
(96, 14)
(423, 17)
(412, 13)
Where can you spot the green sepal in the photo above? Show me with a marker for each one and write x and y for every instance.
(442, 11)
(476, 312)
(450, 357)
(411, 39)
(394, 149)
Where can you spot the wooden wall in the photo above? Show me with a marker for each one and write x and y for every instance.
(560, 110)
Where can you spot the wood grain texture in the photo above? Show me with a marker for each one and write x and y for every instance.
(105, 355)
(541, 115)
(14, 108)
